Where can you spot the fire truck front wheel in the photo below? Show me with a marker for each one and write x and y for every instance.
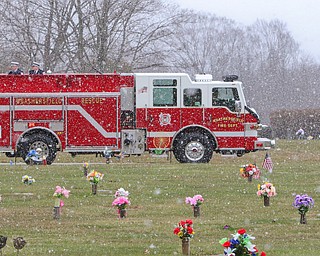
(46, 143)
(193, 148)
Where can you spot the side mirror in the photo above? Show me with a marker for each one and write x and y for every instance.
(238, 106)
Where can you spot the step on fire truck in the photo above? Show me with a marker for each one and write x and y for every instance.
(127, 113)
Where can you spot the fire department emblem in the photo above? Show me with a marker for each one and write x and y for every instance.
(164, 119)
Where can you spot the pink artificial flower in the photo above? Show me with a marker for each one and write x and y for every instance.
(65, 192)
(195, 200)
(188, 200)
(120, 201)
(198, 198)
(58, 190)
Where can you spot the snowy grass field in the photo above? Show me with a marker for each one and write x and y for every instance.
(89, 225)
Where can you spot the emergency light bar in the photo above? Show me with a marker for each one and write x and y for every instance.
(203, 78)
(229, 78)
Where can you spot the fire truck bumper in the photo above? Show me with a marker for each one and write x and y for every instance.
(264, 144)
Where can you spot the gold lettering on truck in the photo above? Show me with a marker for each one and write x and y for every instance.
(38, 101)
(87, 101)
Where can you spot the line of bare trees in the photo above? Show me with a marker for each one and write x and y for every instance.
(77, 35)
(154, 35)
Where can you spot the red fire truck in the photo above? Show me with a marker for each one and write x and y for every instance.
(127, 113)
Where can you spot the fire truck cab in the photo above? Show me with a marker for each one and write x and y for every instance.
(127, 113)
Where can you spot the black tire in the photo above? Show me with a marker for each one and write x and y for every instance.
(240, 153)
(46, 143)
(193, 147)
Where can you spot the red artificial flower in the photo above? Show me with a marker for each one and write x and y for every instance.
(189, 230)
(263, 254)
(226, 244)
(176, 231)
(241, 231)
(189, 222)
(182, 223)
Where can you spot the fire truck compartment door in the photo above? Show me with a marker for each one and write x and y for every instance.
(5, 124)
(93, 120)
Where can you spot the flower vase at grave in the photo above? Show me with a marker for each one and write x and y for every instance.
(94, 188)
(303, 219)
(266, 201)
(85, 171)
(185, 246)
(250, 178)
(196, 211)
(122, 213)
(56, 209)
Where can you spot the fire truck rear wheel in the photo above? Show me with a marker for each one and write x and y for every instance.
(44, 142)
(193, 148)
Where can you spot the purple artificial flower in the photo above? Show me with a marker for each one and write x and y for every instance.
(303, 203)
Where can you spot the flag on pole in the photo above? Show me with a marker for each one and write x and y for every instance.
(257, 173)
(267, 163)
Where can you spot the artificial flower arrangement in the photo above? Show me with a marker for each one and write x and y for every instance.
(240, 245)
(196, 200)
(121, 203)
(266, 190)
(85, 168)
(303, 203)
(121, 192)
(61, 192)
(249, 171)
(58, 194)
(94, 177)
(28, 180)
(184, 229)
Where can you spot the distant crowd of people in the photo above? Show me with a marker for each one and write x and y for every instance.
(15, 69)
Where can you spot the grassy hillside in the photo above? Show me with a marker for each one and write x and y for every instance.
(89, 225)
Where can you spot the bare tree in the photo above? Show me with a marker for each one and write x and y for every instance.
(206, 43)
(78, 36)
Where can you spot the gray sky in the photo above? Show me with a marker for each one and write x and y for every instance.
(301, 16)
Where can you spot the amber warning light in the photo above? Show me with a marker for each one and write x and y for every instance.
(30, 125)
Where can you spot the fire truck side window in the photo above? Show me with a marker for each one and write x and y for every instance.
(164, 97)
(165, 92)
(192, 97)
(225, 97)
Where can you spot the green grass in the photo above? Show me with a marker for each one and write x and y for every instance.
(89, 224)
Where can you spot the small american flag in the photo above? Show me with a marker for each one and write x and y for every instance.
(144, 89)
(267, 163)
